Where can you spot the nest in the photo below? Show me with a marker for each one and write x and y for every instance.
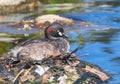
(64, 69)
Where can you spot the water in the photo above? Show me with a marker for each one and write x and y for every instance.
(100, 41)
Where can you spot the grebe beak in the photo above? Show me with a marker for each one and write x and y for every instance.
(65, 36)
(62, 34)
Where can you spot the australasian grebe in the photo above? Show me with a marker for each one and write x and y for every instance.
(54, 44)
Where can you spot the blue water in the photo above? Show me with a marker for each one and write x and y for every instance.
(102, 47)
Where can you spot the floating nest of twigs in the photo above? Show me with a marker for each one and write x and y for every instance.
(64, 69)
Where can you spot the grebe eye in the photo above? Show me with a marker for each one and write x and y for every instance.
(60, 33)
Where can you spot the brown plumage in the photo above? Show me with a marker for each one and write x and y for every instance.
(53, 44)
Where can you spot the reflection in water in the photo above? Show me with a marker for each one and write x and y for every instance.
(13, 17)
(7, 41)
(116, 59)
(104, 36)
(4, 47)
(4, 37)
(108, 50)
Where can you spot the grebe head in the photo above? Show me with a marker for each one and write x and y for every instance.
(55, 30)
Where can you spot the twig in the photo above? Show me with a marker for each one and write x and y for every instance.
(101, 75)
(67, 55)
(28, 70)
(18, 75)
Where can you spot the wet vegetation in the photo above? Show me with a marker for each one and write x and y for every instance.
(22, 7)
(31, 6)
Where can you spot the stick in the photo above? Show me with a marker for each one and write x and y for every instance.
(28, 70)
(18, 75)
(103, 76)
